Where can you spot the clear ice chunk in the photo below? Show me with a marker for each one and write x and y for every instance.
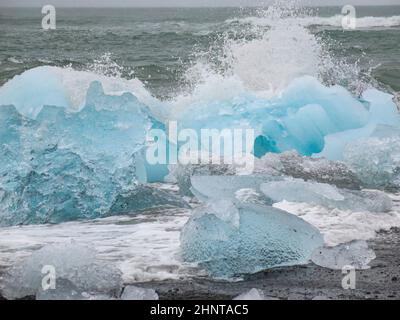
(74, 267)
(355, 254)
(207, 188)
(376, 160)
(264, 238)
(137, 293)
(292, 164)
(182, 174)
(296, 190)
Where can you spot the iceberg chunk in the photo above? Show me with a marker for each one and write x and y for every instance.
(264, 238)
(296, 190)
(63, 166)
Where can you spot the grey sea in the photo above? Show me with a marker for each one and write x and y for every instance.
(157, 45)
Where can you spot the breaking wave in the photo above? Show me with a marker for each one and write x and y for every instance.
(333, 21)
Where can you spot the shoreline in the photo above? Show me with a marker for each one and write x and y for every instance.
(306, 282)
(381, 281)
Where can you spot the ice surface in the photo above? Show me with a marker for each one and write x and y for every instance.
(298, 119)
(137, 293)
(355, 254)
(181, 174)
(265, 237)
(297, 190)
(63, 87)
(207, 188)
(145, 197)
(291, 164)
(75, 265)
(376, 160)
(68, 165)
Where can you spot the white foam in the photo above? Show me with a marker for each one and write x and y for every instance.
(144, 247)
(339, 226)
(333, 21)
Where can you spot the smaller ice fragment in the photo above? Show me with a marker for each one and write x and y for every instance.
(75, 264)
(137, 293)
(376, 160)
(296, 190)
(291, 164)
(206, 188)
(181, 174)
(355, 254)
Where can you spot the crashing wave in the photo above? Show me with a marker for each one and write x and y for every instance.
(333, 21)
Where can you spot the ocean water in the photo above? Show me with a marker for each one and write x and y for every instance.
(157, 46)
(183, 59)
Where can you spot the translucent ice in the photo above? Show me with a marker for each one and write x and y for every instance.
(296, 190)
(291, 164)
(63, 166)
(265, 237)
(146, 197)
(355, 254)
(207, 188)
(63, 87)
(181, 174)
(75, 268)
(376, 160)
(137, 293)
(300, 118)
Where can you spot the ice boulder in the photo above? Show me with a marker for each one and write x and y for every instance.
(230, 240)
(65, 165)
(298, 119)
(62, 271)
(297, 190)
